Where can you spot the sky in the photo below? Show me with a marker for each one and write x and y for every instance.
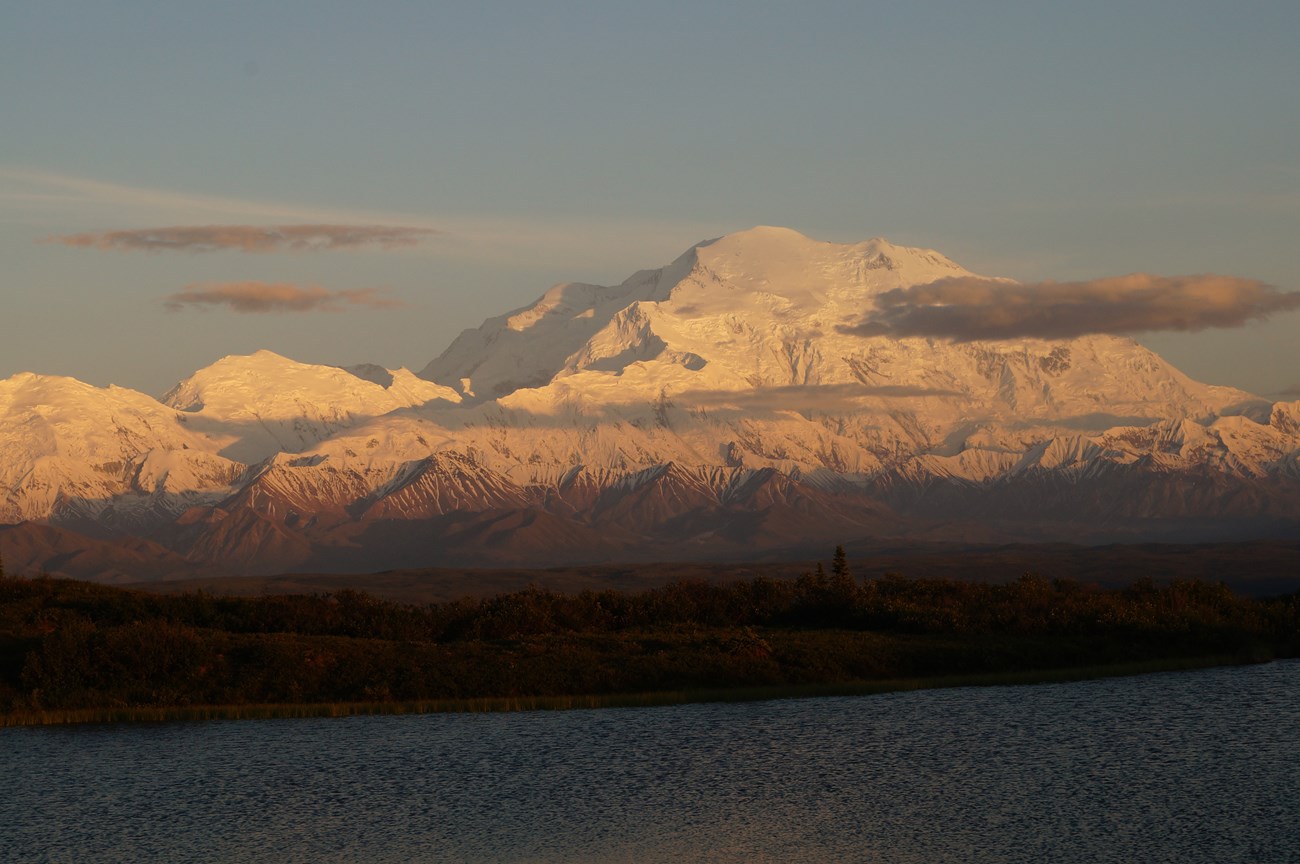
(384, 175)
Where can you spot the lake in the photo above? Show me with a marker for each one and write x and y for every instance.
(1179, 767)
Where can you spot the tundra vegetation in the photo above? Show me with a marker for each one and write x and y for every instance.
(79, 651)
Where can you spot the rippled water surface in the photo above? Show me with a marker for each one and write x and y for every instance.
(1181, 767)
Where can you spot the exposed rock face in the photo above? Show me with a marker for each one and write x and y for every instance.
(717, 407)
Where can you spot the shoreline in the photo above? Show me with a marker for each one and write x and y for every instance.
(653, 699)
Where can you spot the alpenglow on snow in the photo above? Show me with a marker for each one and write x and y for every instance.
(720, 406)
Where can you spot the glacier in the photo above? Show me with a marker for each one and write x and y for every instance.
(717, 407)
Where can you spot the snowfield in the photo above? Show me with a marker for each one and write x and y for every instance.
(721, 403)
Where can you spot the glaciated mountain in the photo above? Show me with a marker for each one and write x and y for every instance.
(718, 406)
(262, 404)
(738, 354)
(757, 307)
(73, 451)
(114, 459)
(763, 309)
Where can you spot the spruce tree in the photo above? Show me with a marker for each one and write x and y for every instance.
(840, 564)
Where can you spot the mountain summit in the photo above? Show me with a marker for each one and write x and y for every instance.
(721, 302)
(719, 406)
(760, 310)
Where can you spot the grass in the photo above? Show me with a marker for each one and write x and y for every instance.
(149, 714)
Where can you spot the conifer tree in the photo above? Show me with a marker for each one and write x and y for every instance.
(840, 564)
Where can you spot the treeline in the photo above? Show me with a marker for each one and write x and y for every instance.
(66, 644)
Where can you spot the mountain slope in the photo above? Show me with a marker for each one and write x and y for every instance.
(69, 449)
(262, 404)
(719, 406)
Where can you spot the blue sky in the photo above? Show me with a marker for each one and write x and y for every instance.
(570, 141)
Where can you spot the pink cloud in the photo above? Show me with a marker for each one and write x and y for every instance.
(261, 297)
(249, 238)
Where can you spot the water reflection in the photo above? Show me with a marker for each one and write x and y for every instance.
(1177, 767)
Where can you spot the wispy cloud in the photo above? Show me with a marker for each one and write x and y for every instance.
(50, 188)
(249, 238)
(51, 198)
(818, 397)
(967, 309)
(263, 297)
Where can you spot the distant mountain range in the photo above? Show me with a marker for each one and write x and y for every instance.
(721, 407)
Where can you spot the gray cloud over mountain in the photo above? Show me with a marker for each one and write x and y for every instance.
(249, 238)
(967, 309)
(263, 297)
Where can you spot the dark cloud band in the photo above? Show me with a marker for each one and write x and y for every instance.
(249, 238)
(967, 309)
(263, 297)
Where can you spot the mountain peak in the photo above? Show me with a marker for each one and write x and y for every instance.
(765, 256)
(763, 280)
(761, 239)
(260, 357)
(34, 387)
(763, 233)
(264, 402)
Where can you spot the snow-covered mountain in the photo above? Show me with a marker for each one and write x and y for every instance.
(263, 404)
(718, 406)
(73, 452)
